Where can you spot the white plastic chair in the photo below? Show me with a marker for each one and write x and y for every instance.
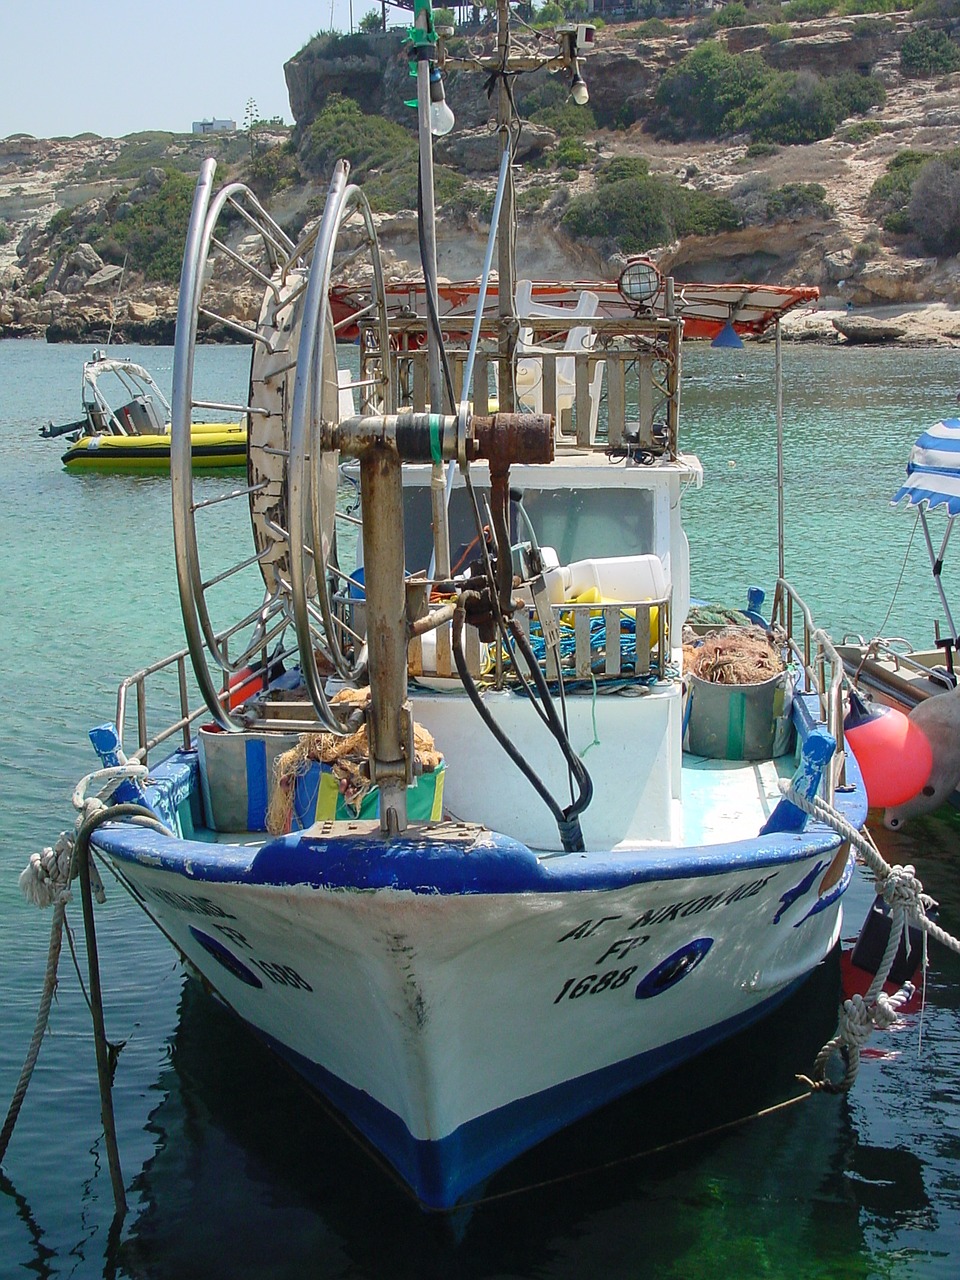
(529, 379)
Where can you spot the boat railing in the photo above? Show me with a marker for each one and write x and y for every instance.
(822, 667)
(134, 689)
(642, 628)
(630, 370)
(165, 694)
(581, 652)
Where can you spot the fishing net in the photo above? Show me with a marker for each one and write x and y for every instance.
(347, 757)
(733, 655)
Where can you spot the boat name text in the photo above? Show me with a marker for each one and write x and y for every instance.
(188, 902)
(663, 915)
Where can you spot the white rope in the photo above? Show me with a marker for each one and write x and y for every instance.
(901, 889)
(45, 880)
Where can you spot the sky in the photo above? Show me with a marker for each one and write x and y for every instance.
(115, 67)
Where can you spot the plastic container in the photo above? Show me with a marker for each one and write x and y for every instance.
(614, 578)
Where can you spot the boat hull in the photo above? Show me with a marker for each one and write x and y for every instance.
(460, 999)
(212, 447)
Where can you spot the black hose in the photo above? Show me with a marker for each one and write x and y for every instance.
(567, 820)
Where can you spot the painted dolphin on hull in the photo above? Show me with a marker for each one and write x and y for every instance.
(939, 718)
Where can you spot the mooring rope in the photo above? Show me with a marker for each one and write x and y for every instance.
(46, 881)
(903, 892)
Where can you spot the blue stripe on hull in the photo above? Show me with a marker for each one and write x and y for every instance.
(441, 1172)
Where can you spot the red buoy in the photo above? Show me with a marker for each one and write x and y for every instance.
(893, 753)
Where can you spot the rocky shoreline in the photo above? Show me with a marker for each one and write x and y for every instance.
(916, 325)
(829, 323)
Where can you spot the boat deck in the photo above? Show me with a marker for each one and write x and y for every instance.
(721, 800)
(724, 798)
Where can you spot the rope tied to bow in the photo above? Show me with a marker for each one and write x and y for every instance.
(46, 881)
(902, 891)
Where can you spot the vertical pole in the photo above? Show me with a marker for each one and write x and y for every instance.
(673, 370)
(506, 264)
(381, 492)
(423, 26)
(780, 520)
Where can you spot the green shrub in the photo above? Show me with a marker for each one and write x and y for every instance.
(868, 28)
(569, 153)
(534, 198)
(928, 52)
(857, 94)
(469, 200)
(779, 31)
(60, 221)
(551, 93)
(272, 171)
(152, 236)
(936, 9)
(624, 167)
(651, 29)
(805, 10)
(849, 8)
(934, 207)
(796, 107)
(566, 119)
(758, 150)
(706, 85)
(797, 200)
(791, 108)
(713, 92)
(898, 223)
(382, 155)
(890, 194)
(343, 131)
(6, 232)
(734, 14)
(862, 131)
(639, 213)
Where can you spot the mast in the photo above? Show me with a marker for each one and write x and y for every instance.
(429, 119)
(506, 242)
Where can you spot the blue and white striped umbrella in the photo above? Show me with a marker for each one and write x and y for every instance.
(933, 468)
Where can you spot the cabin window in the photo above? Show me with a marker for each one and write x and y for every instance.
(577, 524)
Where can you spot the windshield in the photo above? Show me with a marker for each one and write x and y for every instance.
(578, 523)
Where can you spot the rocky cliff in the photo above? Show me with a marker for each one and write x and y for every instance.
(58, 286)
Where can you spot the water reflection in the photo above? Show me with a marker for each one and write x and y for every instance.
(250, 1177)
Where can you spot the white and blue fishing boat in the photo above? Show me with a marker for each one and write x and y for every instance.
(432, 797)
(892, 668)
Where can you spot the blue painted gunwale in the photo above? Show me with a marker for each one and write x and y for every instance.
(495, 864)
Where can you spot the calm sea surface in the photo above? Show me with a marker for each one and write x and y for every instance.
(231, 1169)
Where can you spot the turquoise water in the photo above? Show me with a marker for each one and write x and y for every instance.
(231, 1170)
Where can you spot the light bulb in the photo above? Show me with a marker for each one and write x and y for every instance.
(579, 91)
(442, 118)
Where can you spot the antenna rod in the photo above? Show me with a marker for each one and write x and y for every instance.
(506, 262)
(424, 40)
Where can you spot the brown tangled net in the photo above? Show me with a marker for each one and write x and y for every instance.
(347, 757)
(734, 655)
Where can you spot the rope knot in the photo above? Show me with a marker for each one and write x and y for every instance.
(902, 888)
(855, 1022)
(46, 877)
